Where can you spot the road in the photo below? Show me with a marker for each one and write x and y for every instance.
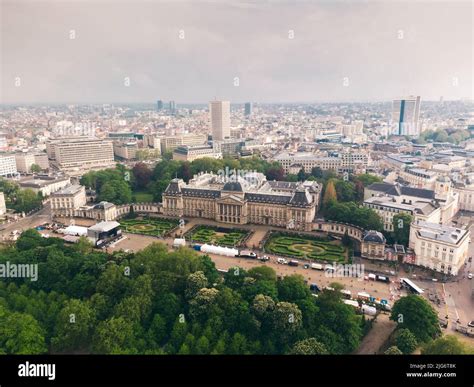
(376, 289)
(38, 218)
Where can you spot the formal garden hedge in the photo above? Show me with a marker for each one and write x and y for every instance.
(151, 227)
(302, 246)
(217, 235)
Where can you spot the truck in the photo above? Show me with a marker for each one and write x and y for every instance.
(293, 262)
(246, 254)
(317, 266)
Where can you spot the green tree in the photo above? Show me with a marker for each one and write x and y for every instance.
(401, 228)
(345, 191)
(20, 334)
(302, 175)
(447, 345)
(292, 288)
(309, 346)
(406, 341)
(157, 331)
(35, 168)
(201, 305)
(27, 200)
(416, 314)
(367, 179)
(195, 282)
(74, 326)
(115, 336)
(287, 319)
(393, 350)
(317, 172)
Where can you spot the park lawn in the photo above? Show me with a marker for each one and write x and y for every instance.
(301, 247)
(143, 197)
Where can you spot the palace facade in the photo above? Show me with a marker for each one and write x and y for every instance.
(249, 198)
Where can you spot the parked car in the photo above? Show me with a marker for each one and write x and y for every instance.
(282, 261)
(264, 258)
(305, 266)
(469, 276)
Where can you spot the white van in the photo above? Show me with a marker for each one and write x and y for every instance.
(317, 266)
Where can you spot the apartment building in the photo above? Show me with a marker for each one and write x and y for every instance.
(41, 159)
(7, 165)
(169, 143)
(125, 150)
(78, 156)
(24, 161)
(466, 196)
(344, 162)
(439, 247)
(190, 153)
(419, 177)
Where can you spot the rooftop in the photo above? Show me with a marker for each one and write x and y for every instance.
(441, 232)
(69, 190)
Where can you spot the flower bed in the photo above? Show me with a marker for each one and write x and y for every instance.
(217, 235)
(305, 246)
(151, 227)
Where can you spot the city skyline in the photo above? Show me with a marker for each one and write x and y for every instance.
(263, 52)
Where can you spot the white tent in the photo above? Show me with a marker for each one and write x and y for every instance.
(179, 242)
(219, 250)
(75, 230)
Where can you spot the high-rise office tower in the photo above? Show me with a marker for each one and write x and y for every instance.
(405, 116)
(248, 109)
(172, 107)
(220, 119)
(159, 105)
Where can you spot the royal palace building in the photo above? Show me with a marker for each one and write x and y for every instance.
(249, 198)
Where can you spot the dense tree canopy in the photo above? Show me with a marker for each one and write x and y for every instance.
(354, 214)
(157, 302)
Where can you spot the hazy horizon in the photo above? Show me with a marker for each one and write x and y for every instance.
(82, 52)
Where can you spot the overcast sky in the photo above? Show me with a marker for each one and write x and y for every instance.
(84, 51)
